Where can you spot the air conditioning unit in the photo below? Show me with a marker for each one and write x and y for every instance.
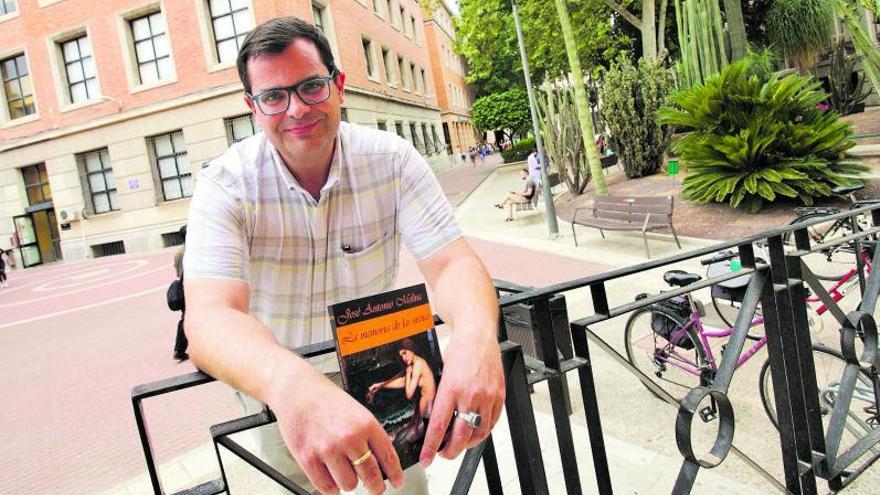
(68, 215)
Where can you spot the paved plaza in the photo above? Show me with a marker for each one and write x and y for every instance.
(75, 338)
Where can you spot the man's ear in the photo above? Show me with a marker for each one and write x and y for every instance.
(250, 103)
(340, 86)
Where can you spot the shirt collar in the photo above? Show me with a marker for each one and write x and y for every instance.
(290, 181)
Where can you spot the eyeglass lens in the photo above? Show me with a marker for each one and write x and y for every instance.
(311, 92)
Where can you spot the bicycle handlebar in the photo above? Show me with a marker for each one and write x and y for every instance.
(722, 256)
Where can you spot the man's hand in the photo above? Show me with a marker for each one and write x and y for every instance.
(326, 431)
(473, 381)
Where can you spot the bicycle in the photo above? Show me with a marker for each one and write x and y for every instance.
(727, 296)
(668, 341)
(831, 263)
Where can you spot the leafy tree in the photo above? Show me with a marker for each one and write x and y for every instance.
(653, 36)
(503, 111)
(632, 96)
(752, 140)
(487, 38)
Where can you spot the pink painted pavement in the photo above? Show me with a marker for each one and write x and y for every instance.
(75, 338)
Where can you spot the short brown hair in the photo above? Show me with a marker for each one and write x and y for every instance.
(273, 37)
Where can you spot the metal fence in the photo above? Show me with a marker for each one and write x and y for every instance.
(777, 288)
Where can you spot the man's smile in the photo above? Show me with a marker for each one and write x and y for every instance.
(300, 129)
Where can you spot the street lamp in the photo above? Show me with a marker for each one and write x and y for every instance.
(545, 179)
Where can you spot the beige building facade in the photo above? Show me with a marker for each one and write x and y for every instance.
(453, 94)
(107, 117)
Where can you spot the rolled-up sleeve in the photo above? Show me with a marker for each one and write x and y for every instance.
(425, 217)
(216, 239)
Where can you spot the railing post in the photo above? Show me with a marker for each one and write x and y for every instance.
(558, 395)
(788, 388)
(523, 432)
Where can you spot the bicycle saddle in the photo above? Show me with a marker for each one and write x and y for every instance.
(847, 189)
(680, 278)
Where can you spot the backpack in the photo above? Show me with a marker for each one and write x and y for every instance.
(174, 296)
(662, 325)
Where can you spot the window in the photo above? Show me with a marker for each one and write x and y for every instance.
(318, 14)
(108, 249)
(412, 29)
(402, 18)
(415, 136)
(241, 127)
(376, 8)
(412, 74)
(429, 147)
(402, 70)
(7, 7)
(382, 125)
(151, 48)
(169, 155)
(368, 56)
(79, 69)
(95, 167)
(389, 67)
(36, 184)
(424, 82)
(437, 143)
(398, 128)
(230, 21)
(390, 13)
(17, 86)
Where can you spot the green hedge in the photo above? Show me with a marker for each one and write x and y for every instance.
(519, 151)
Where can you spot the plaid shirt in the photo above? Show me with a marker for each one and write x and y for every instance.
(250, 220)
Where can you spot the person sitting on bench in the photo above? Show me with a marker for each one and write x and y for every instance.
(518, 197)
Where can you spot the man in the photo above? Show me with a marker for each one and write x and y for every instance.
(308, 213)
(534, 164)
(513, 198)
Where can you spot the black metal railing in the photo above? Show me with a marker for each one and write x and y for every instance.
(809, 450)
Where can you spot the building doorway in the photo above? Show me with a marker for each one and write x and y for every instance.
(38, 239)
(37, 229)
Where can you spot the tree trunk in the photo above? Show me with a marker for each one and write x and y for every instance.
(661, 29)
(649, 30)
(737, 29)
(580, 96)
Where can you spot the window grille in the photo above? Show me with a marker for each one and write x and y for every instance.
(169, 155)
(99, 177)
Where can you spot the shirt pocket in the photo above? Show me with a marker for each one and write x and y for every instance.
(372, 268)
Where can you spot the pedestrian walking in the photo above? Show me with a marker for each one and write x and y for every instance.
(3, 261)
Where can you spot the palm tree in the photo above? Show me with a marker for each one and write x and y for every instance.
(580, 99)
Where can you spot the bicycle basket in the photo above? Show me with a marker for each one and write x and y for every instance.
(665, 326)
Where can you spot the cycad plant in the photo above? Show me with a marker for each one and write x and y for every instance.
(752, 140)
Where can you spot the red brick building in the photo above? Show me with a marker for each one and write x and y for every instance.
(107, 114)
(453, 94)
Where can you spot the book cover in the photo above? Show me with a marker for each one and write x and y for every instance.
(390, 362)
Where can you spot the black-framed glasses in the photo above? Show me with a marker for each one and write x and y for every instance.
(311, 92)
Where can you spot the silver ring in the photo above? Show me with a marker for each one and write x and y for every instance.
(473, 418)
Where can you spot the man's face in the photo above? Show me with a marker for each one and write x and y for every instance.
(406, 357)
(304, 133)
(523, 174)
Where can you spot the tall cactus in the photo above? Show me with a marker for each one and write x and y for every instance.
(702, 38)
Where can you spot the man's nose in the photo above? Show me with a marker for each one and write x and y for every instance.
(296, 109)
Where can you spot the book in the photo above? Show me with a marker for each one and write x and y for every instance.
(390, 362)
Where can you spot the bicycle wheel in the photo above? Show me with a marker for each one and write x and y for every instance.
(828, 264)
(675, 368)
(829, 370)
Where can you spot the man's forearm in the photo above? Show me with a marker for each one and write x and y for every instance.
(235, 348)
(465, 297)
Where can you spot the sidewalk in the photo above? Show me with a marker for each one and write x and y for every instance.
(638, 429)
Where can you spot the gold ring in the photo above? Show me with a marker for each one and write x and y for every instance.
(362, 459)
